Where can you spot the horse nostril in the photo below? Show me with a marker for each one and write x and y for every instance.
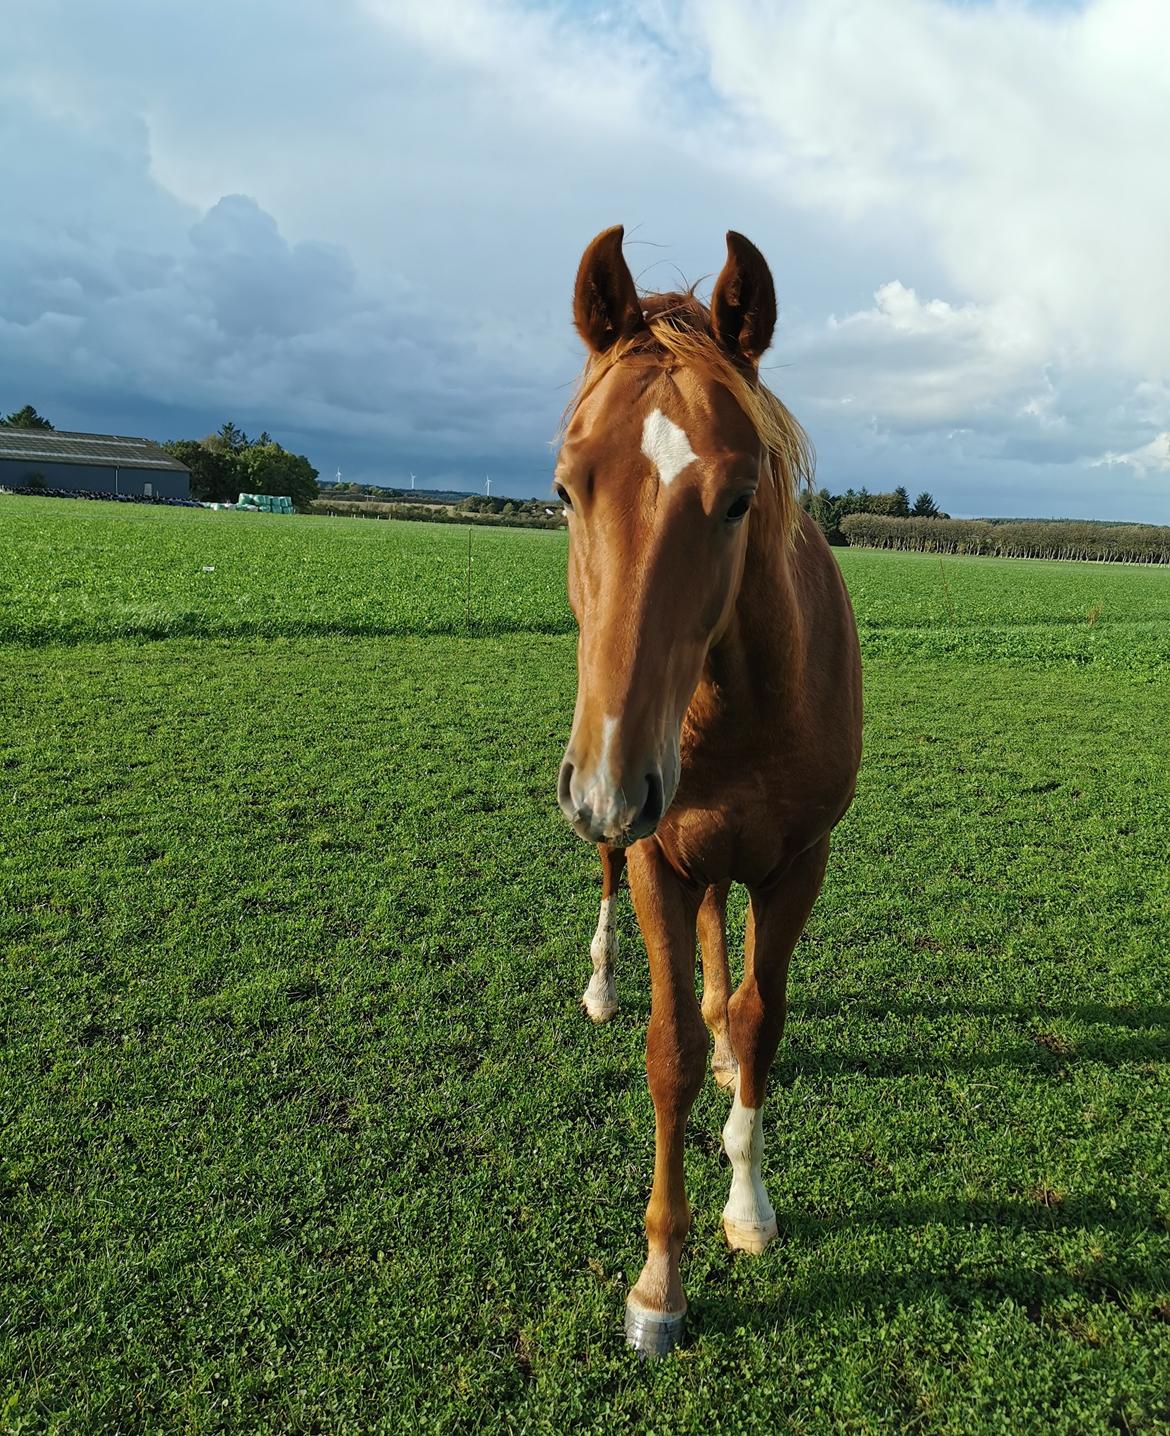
(564, 782)
(651, 813)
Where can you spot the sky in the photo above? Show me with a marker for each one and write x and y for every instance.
(355, 223)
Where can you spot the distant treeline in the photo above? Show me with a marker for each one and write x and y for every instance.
(831, 510)
(380, 493)
(509, 514)
(1066, 539)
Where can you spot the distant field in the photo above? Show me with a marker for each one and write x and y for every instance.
(84, 572)
(301, 1127)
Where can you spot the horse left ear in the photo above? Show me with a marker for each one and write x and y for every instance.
(606, 306)
(743, 304)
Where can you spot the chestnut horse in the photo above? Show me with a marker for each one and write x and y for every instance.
(717, 730)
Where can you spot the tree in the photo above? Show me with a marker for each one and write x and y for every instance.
(26, 418)
(213, 470)
(924, 507)
(233, 439)
(901, 504)
(269, 469)
(225, 464)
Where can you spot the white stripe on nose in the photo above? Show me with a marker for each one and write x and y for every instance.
(601, 791)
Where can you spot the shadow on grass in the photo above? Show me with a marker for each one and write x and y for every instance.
(200, 626)
(1079, 1213)
(1116, 1016)
(1134, 1283)
(1145, 1037)
(1044, 1296)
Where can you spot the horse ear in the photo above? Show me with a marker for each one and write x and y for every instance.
(606, 306)
(743, 304)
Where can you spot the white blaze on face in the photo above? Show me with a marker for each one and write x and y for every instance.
(600, 999)
(666, 446)
(743, 1141)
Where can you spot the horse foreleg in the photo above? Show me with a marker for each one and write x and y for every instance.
(756, 1017)
(600, 997)
(676, 1051)
(716, 981)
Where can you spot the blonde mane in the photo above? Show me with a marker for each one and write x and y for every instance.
(679, 336)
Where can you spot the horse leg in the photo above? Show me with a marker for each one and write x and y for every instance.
(676, 1054)
(600, 997)
(756, 1015)
(716, 982)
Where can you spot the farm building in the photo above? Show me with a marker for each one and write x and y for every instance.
(91, 463)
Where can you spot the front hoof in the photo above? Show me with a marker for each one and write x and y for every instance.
(599, 1011)
(600, 999)
(750, 1237)
(653, 1333)
(726, 1074)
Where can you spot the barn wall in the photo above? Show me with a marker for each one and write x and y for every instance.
(95, 478)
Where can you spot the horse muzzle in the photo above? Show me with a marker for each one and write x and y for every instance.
(600, 813)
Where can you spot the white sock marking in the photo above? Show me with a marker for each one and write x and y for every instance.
(600, 997)
(743, 1141)
(666, 446)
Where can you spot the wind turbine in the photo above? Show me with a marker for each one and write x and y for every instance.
(487, 478)
(412, 483)
(337, 477)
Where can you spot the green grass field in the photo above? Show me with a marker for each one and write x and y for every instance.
(302, 1129)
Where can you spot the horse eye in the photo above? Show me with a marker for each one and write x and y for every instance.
(739, 508)
(563, 494)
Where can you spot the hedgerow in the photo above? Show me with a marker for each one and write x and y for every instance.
(1118, 543)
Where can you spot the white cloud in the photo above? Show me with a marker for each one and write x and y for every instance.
(1153, 457)
(1024, 146)
(918, 364)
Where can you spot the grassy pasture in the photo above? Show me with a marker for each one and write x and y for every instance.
(301, 1127)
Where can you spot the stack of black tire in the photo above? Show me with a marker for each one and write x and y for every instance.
(39, 493)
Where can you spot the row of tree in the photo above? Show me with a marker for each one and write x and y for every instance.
(830, 510)
(1028, 538)
(533, 508)
(228, 463)
(511, 514)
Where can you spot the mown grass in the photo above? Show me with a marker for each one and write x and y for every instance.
(301, 1127)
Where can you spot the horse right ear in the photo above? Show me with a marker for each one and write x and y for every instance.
(606, 306)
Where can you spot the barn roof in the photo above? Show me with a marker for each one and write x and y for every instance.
(61, 446)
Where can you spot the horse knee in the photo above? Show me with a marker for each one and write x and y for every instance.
(676, 1059)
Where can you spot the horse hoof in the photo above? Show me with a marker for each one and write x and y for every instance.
(751, 1237)
(653, 1333)
(725, 1077)
(599, 1009)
